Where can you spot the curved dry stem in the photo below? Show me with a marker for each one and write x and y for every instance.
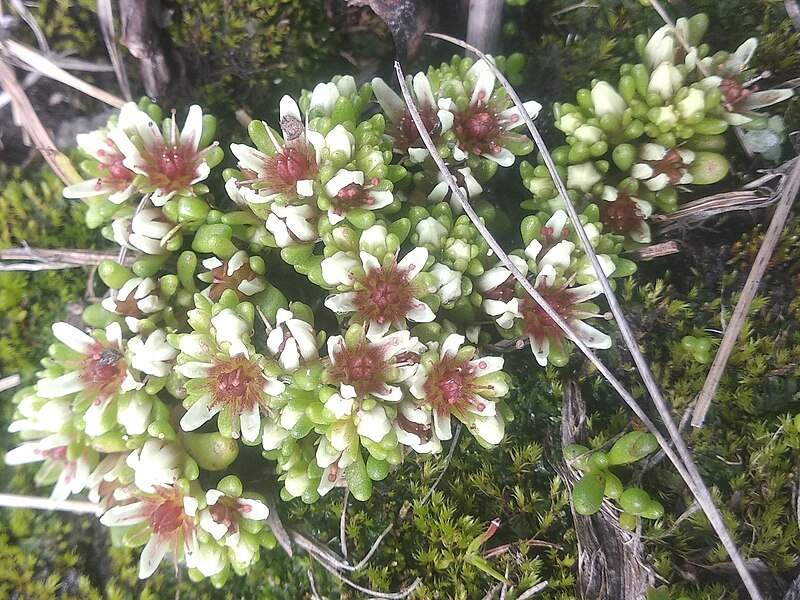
(683, 460)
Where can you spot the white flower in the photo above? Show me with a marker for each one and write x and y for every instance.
(101, 376)
(158, 463)
(466, 387)
(496, 285)
(153, 356)
(468, 185)
(136, 299)
(292, 341)
(436, 114)
(291, 225)
(665, 80)
(145, 231)
(543, 332)
(115, 180)
(235, 383)
(346, 191)
(223, 520)
(70, 475)
(386, 295)
(607, 101)
(449, 282)
(167, 518)
(234, 273)
(170, 164)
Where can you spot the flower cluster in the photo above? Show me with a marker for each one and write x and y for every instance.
(196, 371)
(632, 148)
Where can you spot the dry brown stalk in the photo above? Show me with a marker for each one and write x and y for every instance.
(26, 116)
(788, 196)
(48, 259)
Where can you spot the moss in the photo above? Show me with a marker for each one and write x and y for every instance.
(35, 213)
(244, 54)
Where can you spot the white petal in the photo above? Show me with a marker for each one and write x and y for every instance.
(373, 423)
(249, 158)
(341, 303)
(491, 429)
(72, 337)
(504, 158)
(594, 338)
(451, 345)
(414, 261)
(487, 364)
(289, 108)
(541, 350)
(392, 104)
(61, 386)
(421, 313)
(250, 420)
(484, 86)
(255, 510)
(192, 127)
(423, 91)
(200, 413)
(127, 514)
(441, 425)
(342, 179)
(194, 369)
(154, 551)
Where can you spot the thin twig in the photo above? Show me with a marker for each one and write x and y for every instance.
(46, 67)
(40, 503)
(30, 21)
(10, 382)
(492, 592)
(105, 13)
(533, 591)
(343, 523)
(62, 258)
(28, 119)
(683, 460)
(313, 585)
(453, 446)
(789, 193)
(372, 593)
(505, 585)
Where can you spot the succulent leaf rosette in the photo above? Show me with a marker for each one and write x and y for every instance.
(632, 148)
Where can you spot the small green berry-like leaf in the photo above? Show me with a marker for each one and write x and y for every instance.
(631, 447)
(587, 495)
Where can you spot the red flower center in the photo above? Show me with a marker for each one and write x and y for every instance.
(102, 371)
(622, 215)
(365, 367)
(352, 196)
(292, 166)
(111, 161)
(167, 517)
(671, 165)
(384, 295)
(451, 388)
(237, 383)
(222, 281)
(536, 323)
(225, 512)
(733, 92)
(405, 132)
